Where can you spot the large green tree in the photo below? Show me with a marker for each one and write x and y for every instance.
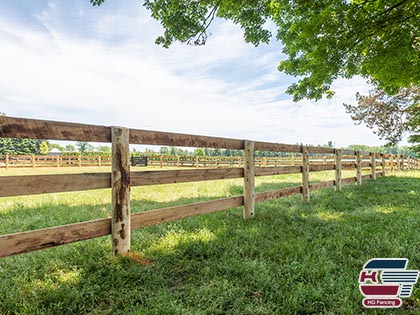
(19, 146)
(390, 116)
(322, 39)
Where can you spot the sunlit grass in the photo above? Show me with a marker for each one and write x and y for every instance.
(292, 258)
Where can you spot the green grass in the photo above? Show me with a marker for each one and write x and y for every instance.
(292, 258)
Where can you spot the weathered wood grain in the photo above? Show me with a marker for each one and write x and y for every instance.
(278, 193)
(11, 127)
(373, 165)
(322, 185)
(153, 217)
(23, 242)
(320, 150)
(366, 164)
(348, 152)
(249, 179)
(41, 184)
(138, 136)
(348, 165)
(279, 170)
(349, 180)
(383, 164)
(120, 178)
(277, 147)
(359, 168)
(145, 178)
(320, 167)
(338, 170)
(305, 174)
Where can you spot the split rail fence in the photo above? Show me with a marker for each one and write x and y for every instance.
(120, 179)
(19, 161)
(169, 161)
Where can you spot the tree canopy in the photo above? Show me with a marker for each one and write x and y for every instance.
(322, 39)
(19, 146)
(390, 116)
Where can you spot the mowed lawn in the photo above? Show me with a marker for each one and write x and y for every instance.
(292, 258)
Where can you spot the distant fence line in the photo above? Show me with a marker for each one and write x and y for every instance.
(20, 161)
(7, 161)
(121, 178)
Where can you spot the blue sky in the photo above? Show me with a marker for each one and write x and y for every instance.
(68, 61)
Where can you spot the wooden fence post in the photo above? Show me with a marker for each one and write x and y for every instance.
(338, 169)
(33, 161)
(99, 161)
(249, 179)
(391, 163)
(120, 181)
(402, 162)
(359, 168)
(6, 162)
(397, 162)
(79, 160)
(373, 165)
(161, 161)
(305, 174)
(383, 163)
(177, 161)
(196, 161)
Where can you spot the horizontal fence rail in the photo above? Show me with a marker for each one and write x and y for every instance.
(301, 160)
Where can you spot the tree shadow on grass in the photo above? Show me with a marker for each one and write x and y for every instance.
(292, 258)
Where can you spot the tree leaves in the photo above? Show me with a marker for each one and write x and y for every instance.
(391, 116)
(19, 146)
(323, 39)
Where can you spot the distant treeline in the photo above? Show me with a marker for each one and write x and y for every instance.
(174, 151)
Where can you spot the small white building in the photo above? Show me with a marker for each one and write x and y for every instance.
(54, 152)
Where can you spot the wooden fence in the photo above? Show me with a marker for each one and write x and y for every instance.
(169, 161)
(120, 179)
(19, 161)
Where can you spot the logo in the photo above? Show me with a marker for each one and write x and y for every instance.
(384, 281)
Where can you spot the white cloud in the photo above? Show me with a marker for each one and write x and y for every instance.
(113, 74)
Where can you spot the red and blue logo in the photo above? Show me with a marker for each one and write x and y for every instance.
(384, 281)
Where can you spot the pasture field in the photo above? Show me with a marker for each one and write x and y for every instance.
(292, 258)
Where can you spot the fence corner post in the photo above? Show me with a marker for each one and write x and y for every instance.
(338, 170)
(359, 168)
(306, 195)
(249, 179)
(120, 181)
(373, 165)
